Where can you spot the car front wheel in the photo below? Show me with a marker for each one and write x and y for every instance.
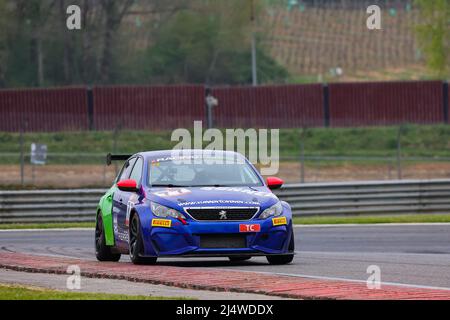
(137, 244)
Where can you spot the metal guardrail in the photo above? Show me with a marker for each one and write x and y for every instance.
(370, 197)
(77, 205)
(374, 197)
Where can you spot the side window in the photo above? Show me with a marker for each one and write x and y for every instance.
(136, 173)
(126, 169)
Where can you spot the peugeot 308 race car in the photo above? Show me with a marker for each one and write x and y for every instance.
(198, 205)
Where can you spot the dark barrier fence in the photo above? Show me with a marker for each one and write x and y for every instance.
(384, 103)
(62, 109)
(156, 107)
(169, 107)
(446, 101)
(269, 106)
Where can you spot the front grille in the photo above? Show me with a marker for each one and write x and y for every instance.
(222, 214)
(223, 241)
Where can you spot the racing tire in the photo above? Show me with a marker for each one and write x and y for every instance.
(137, 244)
(283, 258)
(102, 251)
(238, 258)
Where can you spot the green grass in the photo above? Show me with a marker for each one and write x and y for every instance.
(407, 218)
(17, 292)
(47, 225)
(417, 140)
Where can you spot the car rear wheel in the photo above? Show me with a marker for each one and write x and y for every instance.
(284, 258)
(238, 258)
(102, 251)
(137, 244)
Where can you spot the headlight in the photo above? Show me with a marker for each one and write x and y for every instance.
(274, 211)
(164, 212)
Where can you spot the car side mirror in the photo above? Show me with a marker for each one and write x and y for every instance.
(274, 183)
(128, 185)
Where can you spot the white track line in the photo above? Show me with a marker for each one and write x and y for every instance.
(48, 229)
(343, 225)
(340, 279)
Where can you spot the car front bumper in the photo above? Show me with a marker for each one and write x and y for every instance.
(233, 238)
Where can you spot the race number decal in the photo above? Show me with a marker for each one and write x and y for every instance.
(172, 192)
(130, 206)
(249, 228)
(127, 218)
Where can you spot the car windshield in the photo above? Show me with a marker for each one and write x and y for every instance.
(169, 173)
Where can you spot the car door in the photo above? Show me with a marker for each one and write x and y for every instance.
(132, 198)
(120, 200)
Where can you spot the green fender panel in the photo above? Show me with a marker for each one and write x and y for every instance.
(105, 205)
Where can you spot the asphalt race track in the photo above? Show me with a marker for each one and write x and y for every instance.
(417, 255)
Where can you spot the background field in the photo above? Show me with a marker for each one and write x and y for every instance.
(416, 141)
(77, 159)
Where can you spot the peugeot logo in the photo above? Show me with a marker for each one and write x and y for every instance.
(222, 215)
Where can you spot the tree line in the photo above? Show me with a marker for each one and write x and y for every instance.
(161, 42)
(198, 41)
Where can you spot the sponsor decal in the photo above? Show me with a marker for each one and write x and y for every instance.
(167, 193)
(189, 156)
(115, 224)
(130, 206)
(249, 227)
(122, 235)
(193, 203)
(242, 190)
(165, 223)
(279, 221)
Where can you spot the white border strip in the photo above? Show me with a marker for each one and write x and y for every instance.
(344, 225)
(47, 229)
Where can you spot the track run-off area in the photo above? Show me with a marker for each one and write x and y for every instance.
(409, 256)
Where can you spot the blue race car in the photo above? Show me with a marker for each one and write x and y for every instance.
(199, 205)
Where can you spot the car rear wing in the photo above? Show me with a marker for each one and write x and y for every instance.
(116, 157)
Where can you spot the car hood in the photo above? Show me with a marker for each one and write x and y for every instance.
(179, 198)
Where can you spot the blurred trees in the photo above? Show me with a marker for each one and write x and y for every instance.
(434, 35)
(3, 48)
(23, 31)
(209, 43)
(197, 41)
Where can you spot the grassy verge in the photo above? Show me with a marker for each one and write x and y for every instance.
(47, 225)
(17, 292)
(409, 218)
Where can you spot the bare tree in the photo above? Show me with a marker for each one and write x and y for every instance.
(3, 48)
(114, 13)
(33, 15)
